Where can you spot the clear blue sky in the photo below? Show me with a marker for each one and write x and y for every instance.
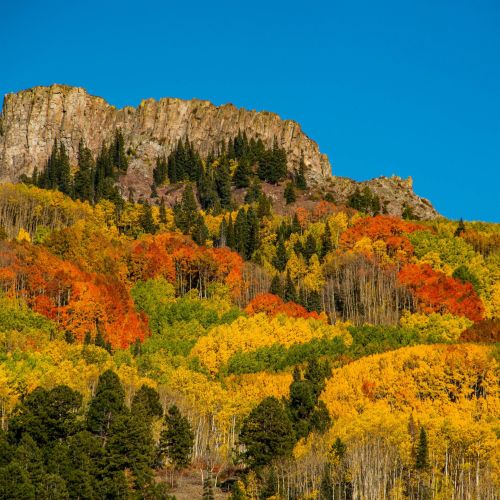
(410, 87)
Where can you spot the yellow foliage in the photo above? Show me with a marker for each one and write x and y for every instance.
(446, 326)
(248, 334)
(23, 235)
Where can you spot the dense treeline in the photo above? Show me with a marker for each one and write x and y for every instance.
(314, 355)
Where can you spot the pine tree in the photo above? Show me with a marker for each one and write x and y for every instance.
(267, 433)
(163, 211)
(241, 232)
(460, 228)
(186, 213)
(326, 241)
(289, 194)
(160, 172)
(300, 177)
(208, 487)
(230, 241)
(241, 176)
(83, 181)
(280, 259)
(290, 291)
(146, 219)
(253, 241)
(107, 404)
(146, 403)
(309, 247)
(199, 232)
(64, 171)
(276, 287)
(176, 440)
(296, 227)
(422, 455)
(223, 183)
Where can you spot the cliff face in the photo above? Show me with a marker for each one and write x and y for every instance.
(32, 119)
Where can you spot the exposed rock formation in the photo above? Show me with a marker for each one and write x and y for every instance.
(32, 119)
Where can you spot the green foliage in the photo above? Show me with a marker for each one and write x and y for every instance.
(464, 274)
(422, 455)
(146, 403)
(289, 194)
(177, 439)
(267, 433)
(364, 201)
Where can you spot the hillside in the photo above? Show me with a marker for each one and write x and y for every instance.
(220, 316)
(32, 120)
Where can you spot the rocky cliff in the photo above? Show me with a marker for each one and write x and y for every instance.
(32, 119)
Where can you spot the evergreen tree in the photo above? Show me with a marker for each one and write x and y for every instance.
(326, 241)
(223, 183)
(300, 176)
(267, 433)
(230, 240)
(117, 151)
(241, 176)
(87, 339)
(163, 212)
(99, 340)
(199, 232)
(280, 259)
(263, 207)
(309, 247)
(460, 228)
(254, 192)
(241, 232)
(186, 213)
(223, 233)
(296, 227)
(107, 404)
(160, 172)
(146, 403)
(276, 287)
(208, 487)
(252, 241)
(422, 455)
(290, 291)
(64, 171)
(83, 182)
(146, 219)
(177, 439)
(289, 194)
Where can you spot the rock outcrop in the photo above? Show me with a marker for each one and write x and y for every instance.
(32, 119)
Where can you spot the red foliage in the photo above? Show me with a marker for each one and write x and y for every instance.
(486, 331)
(437, 292)
(79, 301)
(180, 261)
(272, 305)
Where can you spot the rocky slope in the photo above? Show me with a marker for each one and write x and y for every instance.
(32, 119)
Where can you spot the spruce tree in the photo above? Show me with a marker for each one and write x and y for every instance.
(177, 438)
(208, 487)
(289, 194)
(422, 454)
(241, 176)
(460, 228)
(230, 241)
(163, 211)
(186, 213)
(83, 181)
(107, 404)
(309, 247)
(223, 183)
(241, 232)
(146, 219)
(146, 403)
(326, 241)
(280, 259)
(290, 291)
(267, 433)
(252, 241)
(276, 287)
(300, 176)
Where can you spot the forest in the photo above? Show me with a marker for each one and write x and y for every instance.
(328, 352)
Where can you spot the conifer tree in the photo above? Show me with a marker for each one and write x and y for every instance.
(252, 241)
(83, 182)
(107, 404)
(146, 403)
(300, 177)
(460, 228)
(289, 194)
(146, 219)
(309, 247)
(241, 232)
(326, 241)
(177, 439)
(163, 211)
(241, 176)
(208, 487)
(186, 213)
(230, 241)
(280, 259)
(276, 287)
(290, 291)
(422, 454)
(223, 183)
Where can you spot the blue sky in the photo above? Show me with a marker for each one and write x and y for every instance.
(388, 87)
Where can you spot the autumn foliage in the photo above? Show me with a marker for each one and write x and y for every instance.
(272, 305)
(437, 292)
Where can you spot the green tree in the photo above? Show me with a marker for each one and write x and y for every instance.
(422, 454)
(464, 274)
(186, 213)
(289, 194)
(460, 228)
(176, 439)
(146, 219)
(300, 175)
(146, 402)
(276, 287)
(208, 487)
(83, 182)
(280, 259)
(267, 433)
(241, 176)
(290, 290)
(107, 405)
